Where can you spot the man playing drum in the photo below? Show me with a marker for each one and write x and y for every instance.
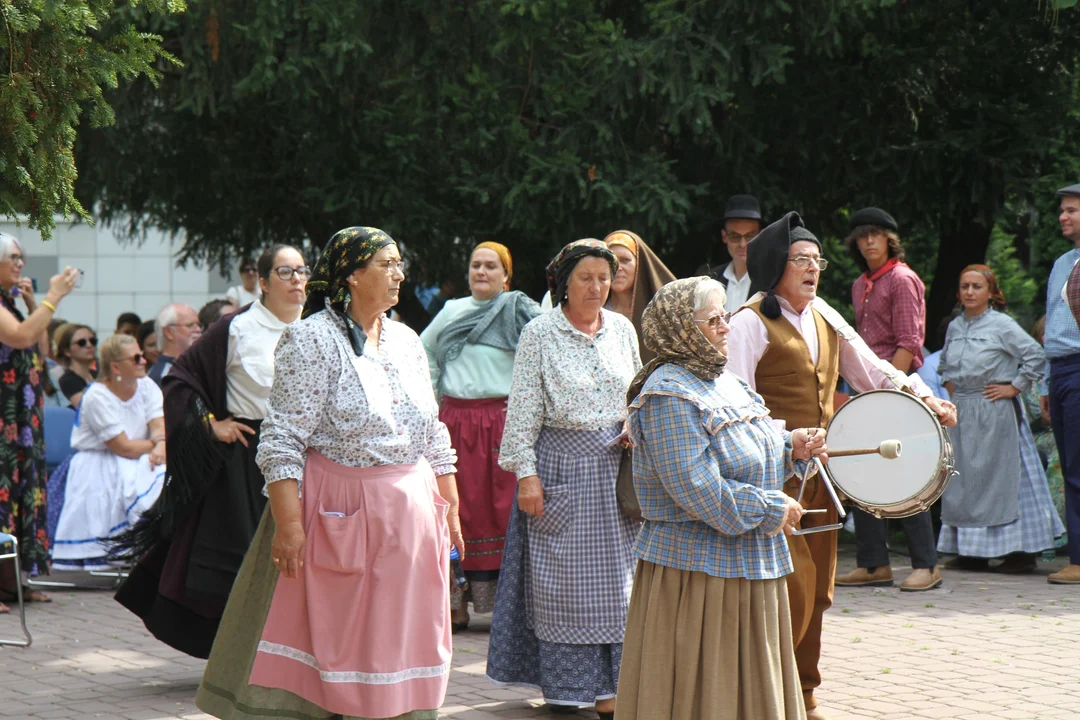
(781, 344)
(890, 315)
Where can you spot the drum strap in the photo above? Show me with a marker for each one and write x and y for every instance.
(846, 332)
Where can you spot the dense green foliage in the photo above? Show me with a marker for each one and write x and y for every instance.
(56, 61)
(536, 123)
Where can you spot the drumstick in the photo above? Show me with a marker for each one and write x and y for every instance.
(889, 449)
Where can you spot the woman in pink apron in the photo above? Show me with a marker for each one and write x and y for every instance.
(340, 607)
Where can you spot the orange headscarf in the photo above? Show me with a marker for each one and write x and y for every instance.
(504, 255)
(625, 238)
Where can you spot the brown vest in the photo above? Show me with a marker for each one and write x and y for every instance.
(794, 389)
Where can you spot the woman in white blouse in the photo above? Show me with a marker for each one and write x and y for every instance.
(117, 470)
(191, 544)
(341, 604)
(564, 585)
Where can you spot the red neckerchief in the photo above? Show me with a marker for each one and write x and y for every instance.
(869, 284)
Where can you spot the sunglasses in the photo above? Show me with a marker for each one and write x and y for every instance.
(83, 342)
(716, 322)
(138, 358)
(247, 269)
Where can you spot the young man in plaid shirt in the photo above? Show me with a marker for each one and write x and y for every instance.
(890, 315)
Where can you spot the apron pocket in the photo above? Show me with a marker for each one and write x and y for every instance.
(339, 542)
(558, 512)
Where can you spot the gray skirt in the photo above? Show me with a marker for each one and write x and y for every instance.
(986, 445)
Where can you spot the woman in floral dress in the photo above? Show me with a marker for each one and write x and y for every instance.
(22, 440)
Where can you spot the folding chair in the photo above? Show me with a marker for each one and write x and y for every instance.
(6, 539)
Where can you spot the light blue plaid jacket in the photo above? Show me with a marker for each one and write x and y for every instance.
(709, 468)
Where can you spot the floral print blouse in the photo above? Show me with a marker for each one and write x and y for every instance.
(366, 411)
(565, 379)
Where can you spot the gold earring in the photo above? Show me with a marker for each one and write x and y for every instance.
(353, 282)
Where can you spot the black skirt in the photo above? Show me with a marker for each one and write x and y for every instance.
(180, 587)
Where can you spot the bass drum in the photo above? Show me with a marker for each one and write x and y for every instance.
(890, 488)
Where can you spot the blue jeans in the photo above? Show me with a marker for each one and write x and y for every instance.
(1065, 419)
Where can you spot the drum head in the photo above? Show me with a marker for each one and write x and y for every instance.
(866, 421)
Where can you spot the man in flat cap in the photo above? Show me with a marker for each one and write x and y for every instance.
(890, 315)
(783, 346)
(742, 223)
(1061, 386)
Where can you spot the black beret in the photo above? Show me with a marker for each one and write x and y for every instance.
(1070, 190)
(742, 206)
(873, 216)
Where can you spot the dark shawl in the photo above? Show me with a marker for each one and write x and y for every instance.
(194, 387)
(498, 325)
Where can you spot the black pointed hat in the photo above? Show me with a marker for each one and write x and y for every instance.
(767, 254)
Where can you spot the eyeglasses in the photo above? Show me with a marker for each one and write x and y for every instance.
(247, 269)
(716, 323)
(737, 238)
(188, 326)
(17, 260)
(392, 266)
(803, 262)
(138, 358)
(83, 342)
(286, 273)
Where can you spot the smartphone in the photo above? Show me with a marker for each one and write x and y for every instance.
(78, 279)
(33, 284)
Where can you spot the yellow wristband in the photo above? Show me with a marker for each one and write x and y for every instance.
(49, 305)
(209, 417)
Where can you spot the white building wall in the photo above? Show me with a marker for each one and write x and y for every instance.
(119, 275)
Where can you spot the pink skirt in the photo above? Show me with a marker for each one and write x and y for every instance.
(364, 629)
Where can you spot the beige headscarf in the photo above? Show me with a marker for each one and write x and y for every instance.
(669, 330)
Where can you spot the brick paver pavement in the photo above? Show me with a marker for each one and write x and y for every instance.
(985, 646)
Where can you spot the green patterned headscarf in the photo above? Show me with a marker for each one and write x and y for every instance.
(347, 251)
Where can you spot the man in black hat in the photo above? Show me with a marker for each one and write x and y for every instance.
(1061, 386)
(890, 315)
(742, 223)
(783, 346)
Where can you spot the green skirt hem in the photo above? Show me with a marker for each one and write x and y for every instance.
(225, 692)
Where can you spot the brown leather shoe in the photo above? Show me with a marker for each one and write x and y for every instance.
(861, 577)
(816, 714)
(1067, 576)
(922, 579)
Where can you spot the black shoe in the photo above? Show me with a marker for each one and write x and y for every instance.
(963, 562)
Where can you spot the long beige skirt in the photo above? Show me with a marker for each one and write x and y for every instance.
(700, 647)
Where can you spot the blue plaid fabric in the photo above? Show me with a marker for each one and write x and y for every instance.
(709, 469)
(1062, 336)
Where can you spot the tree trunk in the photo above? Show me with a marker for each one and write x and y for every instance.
(962, 243)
